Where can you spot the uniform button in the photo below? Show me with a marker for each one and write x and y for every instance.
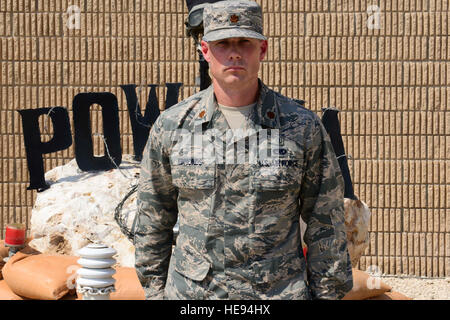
(271, 115)
(202, 114)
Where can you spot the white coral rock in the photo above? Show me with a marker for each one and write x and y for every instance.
(357, 219)
(78, 209)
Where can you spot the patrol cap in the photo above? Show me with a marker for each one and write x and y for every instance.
(233, 19)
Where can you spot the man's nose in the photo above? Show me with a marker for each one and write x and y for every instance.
(235, 53)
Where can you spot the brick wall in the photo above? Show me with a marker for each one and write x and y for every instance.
(392, 85)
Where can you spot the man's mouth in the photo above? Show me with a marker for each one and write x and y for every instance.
(234, 68)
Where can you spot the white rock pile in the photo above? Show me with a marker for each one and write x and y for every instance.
(78, 209)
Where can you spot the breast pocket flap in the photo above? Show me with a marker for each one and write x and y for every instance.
(193, 177)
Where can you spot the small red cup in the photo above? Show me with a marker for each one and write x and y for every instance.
(15, 234)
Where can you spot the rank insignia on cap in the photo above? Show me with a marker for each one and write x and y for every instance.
(234, 18)
(271, 115)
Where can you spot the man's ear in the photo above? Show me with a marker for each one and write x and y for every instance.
(264, 46)
(205, 50)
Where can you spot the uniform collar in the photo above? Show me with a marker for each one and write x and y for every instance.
(265, 114)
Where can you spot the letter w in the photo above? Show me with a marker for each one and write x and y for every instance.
(140, 125)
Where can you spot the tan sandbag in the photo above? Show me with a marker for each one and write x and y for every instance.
(391, 295)
(4, 252)
(40, 276)
(70, 296)
(127, 285)
(6, 293)
(361, 291)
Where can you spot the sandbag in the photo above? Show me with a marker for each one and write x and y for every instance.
(6, 293)
(40, 276)
(127, 285)
(4, 252)
(361, 291)
(70, 296)
(391, 295)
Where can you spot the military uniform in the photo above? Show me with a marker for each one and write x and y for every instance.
(239, 235)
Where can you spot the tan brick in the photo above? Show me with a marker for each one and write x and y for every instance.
(441, 268)
(380, 251)
(435, 249)
(418, 248)
(433, 266)
(386, 239)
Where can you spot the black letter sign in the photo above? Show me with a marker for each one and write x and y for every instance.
(331, 123)
(84, 151)
(140, 125)
(35, 148)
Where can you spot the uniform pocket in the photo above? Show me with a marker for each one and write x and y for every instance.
(196, 187)
(276, 199)
(190, 264)
(282, 277)
(284, 174)
(197, 177)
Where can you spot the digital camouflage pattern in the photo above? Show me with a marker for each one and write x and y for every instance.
(233, 19)
(239, 234)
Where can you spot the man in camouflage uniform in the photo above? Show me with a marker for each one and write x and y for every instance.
(239, 235)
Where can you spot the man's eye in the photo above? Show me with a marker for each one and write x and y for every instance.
(221, 43)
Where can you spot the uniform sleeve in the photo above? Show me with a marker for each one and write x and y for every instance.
(322, 208)
(156, 216)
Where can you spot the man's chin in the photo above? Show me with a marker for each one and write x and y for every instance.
(234, 80)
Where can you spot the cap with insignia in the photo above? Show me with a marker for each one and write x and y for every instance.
(233, 19)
